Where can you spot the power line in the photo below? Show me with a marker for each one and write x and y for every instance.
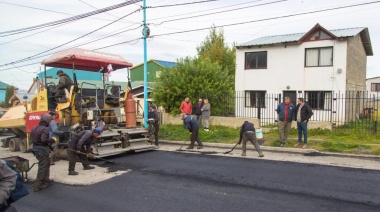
(116, 44)
(31, 57)
(35, 8)
(207, 10)
(88, 42)
(173, 5)
(54, 11)
(71, 19)
(240, 8)
(273, 18)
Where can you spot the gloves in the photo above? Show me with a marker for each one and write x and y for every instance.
(239, 141)
(90, 155)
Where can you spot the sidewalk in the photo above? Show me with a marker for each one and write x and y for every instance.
(307, 152)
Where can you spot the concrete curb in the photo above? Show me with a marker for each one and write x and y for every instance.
(280, 149)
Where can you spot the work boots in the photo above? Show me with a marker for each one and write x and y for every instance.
(243, 154)
(38, 186)
(298, 145)
(261, 154)
(190, 147)
(88, 167)
(73, 173)
(199, 147)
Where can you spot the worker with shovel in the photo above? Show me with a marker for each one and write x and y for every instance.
(80, 149)
(193, 127)
(247, 133)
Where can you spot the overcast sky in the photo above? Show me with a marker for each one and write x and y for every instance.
(163, 20)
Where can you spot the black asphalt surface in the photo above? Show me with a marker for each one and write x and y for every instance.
(178, 181)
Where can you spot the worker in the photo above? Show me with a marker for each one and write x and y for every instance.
(247, 133)
(41, 150)
(80, 149)
(193, 127)
(54, 133)
(64, 83)
(7, 184)
(153, 115)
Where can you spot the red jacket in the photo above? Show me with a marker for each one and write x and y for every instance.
(186, 108)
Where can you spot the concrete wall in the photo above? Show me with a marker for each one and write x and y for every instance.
(214, 120)
(237, 122)
(356, 64)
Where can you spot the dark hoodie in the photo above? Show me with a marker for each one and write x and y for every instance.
(40, 135)
(65, 82)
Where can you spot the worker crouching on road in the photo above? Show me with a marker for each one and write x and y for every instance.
(247, 133)
(41, 149)
(193, 127)
(80, 149)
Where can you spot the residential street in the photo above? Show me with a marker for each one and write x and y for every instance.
(193, 181)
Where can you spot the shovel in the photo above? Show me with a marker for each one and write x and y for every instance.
(232, 148)
(180, 149)
(106, 161)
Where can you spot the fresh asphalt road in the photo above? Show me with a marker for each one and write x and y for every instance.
(180, 181)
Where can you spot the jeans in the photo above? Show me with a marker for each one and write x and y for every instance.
(302, 129)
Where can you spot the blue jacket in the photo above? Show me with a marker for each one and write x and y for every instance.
(191, 124)
(53, 129)
(281, 112)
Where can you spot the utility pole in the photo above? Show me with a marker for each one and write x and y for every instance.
(145, 34)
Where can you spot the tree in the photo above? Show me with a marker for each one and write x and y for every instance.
(194, 78)
(10, 91)
(215, 49)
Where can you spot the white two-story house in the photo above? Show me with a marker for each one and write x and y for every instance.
(320, 65)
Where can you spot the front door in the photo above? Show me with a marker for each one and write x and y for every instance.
(292, 95)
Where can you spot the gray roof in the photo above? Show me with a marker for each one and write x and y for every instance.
(288, 38)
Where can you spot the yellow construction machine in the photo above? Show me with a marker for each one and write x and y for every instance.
(86, 106)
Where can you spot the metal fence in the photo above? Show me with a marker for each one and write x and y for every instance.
(350, 111)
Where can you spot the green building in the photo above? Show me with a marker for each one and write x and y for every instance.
(154, 70)
(3, 89)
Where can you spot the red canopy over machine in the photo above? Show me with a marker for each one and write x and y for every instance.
(88, 60)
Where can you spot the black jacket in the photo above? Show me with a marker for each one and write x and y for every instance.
(197, 110)
(40, 135)
(247, 126)
(306, 112)
(81, 140)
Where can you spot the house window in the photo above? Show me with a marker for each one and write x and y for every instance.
(319, 100)
(315, 57)
(255, 60)
(255, 98)
(375, 87)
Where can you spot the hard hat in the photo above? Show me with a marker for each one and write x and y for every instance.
(59, 72)
(98, 130)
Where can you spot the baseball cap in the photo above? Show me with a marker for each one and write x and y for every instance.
(98, 130)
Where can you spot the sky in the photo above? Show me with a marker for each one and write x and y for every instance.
(188, 24)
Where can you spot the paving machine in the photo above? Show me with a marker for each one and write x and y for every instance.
(85, 106)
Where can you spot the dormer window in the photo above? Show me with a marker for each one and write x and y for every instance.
(319, 35)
